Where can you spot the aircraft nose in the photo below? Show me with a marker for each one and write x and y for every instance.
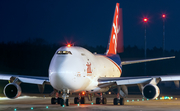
(63, 73)
(61, 80)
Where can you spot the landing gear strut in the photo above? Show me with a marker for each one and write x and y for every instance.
(55, 99)
(100, 100)
(62, 100)
(79, 99)
(121, 95)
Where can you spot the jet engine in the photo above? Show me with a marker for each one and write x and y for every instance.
(151, 91)
(12, 90)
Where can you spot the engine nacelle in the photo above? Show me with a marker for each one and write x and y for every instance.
(12, 90)
(151, 91)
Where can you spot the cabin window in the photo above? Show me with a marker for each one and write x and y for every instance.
(64, 52)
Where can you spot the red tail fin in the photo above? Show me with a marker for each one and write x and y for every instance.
(116, 37)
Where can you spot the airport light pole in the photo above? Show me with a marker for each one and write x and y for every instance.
(163, 17)
(145, 22)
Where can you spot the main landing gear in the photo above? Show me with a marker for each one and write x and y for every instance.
(101, 99)
(117, 100)
(80, 99)
(122, 93)
(62, 100)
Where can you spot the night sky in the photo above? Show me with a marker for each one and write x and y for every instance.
(89, 21)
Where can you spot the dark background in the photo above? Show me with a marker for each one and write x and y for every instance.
(32, 30)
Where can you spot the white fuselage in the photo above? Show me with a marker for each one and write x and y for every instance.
(79, 69)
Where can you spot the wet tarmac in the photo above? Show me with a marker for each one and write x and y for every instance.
(133, 103)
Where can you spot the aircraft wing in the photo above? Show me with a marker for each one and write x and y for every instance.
(145, 60)
(25, 79)
(137, 80)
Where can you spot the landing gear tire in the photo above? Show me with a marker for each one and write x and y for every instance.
(98, 100)
(59, 100)
(76, 100)
(53, 100)
(115, 101)
(82, 100)
(104, 101)
(121, 101)
(62, 102)
(67, 102)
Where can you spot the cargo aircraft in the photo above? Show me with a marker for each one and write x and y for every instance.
(76, 70)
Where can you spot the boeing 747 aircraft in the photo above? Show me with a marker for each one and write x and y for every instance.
(76, 70)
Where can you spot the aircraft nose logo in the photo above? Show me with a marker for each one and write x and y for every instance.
(88, 67)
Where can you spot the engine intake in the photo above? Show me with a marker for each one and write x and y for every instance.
(151, 91)
(12, 90)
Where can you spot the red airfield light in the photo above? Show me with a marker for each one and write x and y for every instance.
(163, 15)
(145, 19)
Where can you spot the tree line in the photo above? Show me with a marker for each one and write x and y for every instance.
(33, 56)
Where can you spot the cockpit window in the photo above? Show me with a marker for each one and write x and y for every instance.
(64, 52)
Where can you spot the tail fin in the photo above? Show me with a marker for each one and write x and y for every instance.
(116, 38)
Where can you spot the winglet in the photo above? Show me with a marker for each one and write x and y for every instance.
(116, 38)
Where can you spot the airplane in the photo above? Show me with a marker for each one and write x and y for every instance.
(74, 69)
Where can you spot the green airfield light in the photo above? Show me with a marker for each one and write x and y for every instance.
(91, 103)
(132, 100)
(156, 98)
(78, 104)
(137, 99)
(166, 97)
(147, 99)
(47, 107)
(15, 109)
(32, 108)
(160, 98)
(127, 100)
(142, 99)
(171, 97)
(63, 106)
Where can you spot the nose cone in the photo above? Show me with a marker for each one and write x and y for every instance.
(63, 73)
(62, 81)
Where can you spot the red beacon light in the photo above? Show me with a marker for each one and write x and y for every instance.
(163, 15)
(145, 19)
(83, 93)
(69, 45)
